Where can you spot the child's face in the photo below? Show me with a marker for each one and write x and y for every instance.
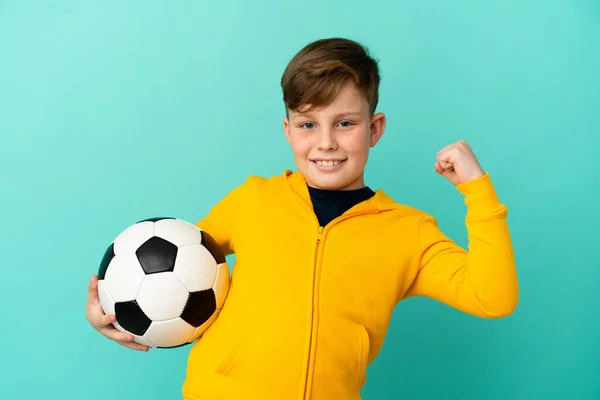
(331, 144)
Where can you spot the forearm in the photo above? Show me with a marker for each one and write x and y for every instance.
(491, 268)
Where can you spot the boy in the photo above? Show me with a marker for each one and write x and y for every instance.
(322, 260)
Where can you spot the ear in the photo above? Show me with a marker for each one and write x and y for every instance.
(286, 128)
(377, 127)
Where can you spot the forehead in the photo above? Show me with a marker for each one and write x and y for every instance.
(349, 100)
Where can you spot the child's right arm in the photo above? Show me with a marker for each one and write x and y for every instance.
(218, 223)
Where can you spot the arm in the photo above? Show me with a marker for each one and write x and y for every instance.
(481, 281)
(220, 221)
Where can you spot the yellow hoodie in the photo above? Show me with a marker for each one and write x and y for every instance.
(309, 307)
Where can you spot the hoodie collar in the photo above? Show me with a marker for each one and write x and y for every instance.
(378, 202)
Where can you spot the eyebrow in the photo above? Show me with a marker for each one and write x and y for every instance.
(337, 116)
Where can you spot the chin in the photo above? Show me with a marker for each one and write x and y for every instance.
(326, 186)
(330, 183)
(339, 178)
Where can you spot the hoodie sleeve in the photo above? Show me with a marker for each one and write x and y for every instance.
(482, 280)
(220, 220)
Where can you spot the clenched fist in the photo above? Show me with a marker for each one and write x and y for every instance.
(458, 163)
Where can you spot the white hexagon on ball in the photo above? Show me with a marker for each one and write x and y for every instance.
(178, 232)
(108, 304)
(162, 296)
(169, 333)
(142, 340)
(196, 267)
(124, 276)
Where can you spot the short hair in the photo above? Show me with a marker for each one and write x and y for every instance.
(316, 73)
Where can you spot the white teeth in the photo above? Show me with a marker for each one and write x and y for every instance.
(327, 163)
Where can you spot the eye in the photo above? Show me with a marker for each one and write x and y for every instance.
(346, 124)
(307, 125)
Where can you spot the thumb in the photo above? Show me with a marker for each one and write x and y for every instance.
(93, 297)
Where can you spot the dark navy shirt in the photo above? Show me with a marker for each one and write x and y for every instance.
(330, 204)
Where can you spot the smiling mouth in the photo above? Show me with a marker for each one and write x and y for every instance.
(327, 163)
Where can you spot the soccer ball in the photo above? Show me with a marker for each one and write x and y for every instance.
(165, 280)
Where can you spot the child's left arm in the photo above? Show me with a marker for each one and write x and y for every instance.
(481, 281)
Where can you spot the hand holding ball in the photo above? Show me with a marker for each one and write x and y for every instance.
(165, 280)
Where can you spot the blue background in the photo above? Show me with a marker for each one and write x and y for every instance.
(113, 111)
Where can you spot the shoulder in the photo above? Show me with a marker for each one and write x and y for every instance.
(402, 219)
(263, 182)
(255, 185)
(386, 203)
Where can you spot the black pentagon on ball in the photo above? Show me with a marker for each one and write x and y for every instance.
(213, 247)
(131, 317)
(109, 254)
(199, 307)
(157, 255)
(154, 219)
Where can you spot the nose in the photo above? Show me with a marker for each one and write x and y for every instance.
(327, 140)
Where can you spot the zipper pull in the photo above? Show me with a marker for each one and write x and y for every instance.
(319, 234)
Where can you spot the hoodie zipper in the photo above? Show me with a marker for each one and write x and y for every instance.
(321, 234)
(316, 261)
(312, 311)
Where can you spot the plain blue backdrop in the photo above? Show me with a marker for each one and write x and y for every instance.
(113, 111)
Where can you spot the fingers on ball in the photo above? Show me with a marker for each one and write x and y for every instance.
(132, 345)
(118, 336)
(106, 320)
